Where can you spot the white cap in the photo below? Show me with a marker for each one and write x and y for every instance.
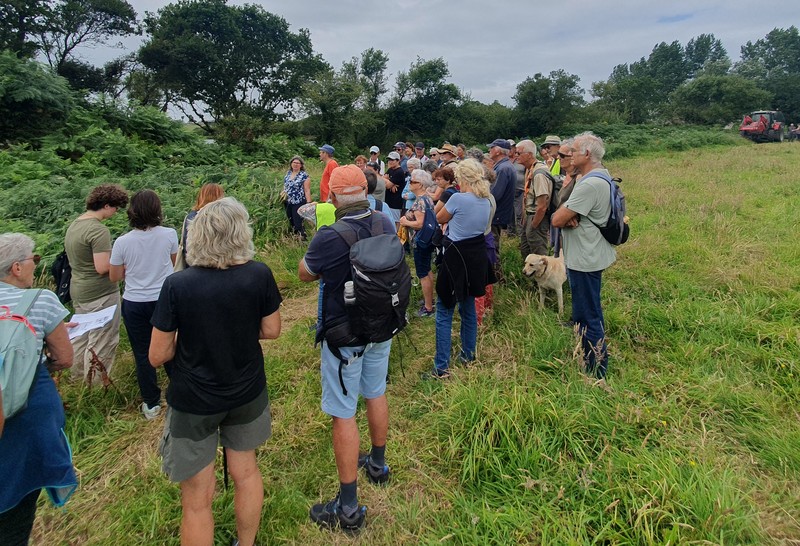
(374, 150)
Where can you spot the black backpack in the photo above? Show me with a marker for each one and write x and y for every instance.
(62, 275)
(616, 231)
(381, 279)
(382, 289)
(555, 182)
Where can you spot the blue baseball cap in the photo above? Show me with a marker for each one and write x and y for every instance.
(501, 142)
(327, 148)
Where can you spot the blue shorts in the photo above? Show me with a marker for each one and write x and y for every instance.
(423, 254)
(365, 375)
(393, 214)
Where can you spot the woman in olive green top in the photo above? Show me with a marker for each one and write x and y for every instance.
(88, 246)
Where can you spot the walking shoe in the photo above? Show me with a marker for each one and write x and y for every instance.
(150, 413)
(436, 375)
(424, 312)
(330, 516)
(375, 474)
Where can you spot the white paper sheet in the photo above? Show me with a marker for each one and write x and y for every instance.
(90, 321)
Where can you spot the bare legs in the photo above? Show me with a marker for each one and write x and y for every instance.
(197, 523)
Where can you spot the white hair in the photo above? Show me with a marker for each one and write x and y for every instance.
(423, 177)
(592, 143)
(413, 163)
(527, 145)
(14, 247)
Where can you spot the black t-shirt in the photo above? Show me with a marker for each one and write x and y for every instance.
(218, 362)
(395, 200)
(447, 194)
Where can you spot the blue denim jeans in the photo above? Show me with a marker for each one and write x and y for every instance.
(136, 316)
(444, 329)
(588, 315)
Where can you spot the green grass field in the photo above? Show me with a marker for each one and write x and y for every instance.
(697, 443)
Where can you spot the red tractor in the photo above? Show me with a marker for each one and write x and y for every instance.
(764, 126)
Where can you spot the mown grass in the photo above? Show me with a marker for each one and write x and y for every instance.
(697, 443)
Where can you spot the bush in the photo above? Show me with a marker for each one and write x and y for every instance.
(33, 100)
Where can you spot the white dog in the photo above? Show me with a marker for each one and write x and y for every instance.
(549, 273)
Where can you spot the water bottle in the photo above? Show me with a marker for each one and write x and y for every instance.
(349, 294)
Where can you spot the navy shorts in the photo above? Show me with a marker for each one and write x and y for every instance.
(422, 259)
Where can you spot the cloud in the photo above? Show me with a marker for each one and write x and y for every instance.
(491, 48)
(674, 18)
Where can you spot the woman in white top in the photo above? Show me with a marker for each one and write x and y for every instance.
(144, 257)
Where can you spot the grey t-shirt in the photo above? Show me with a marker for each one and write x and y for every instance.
(585, 249)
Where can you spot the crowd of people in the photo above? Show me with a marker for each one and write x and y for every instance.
(199, 304)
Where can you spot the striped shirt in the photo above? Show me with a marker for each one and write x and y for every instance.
(46, 313)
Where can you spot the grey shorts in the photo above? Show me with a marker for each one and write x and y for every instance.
(189, 443)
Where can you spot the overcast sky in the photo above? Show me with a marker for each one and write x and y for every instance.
(491, 47)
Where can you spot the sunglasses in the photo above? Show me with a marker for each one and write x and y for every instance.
(562, 156)
(36, 259)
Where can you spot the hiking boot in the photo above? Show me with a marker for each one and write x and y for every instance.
(375, 474)
(330, 516)
(150, 413)
(424, 312)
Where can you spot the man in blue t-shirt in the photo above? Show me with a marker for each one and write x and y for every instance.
(328, 258)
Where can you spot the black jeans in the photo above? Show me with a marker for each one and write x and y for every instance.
(137, 315)
(16, 524)
(295, 220)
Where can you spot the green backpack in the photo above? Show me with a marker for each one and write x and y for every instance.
(19, 354)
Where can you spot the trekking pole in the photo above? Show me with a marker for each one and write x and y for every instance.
(225, 468)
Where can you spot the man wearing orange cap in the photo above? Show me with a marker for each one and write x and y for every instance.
(328, 257)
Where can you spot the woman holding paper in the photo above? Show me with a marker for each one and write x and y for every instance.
(143, 257)
(88, 246)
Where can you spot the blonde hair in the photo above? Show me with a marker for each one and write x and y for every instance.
(221, 235)
(470, 173)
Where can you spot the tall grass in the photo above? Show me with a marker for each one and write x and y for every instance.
(696, 443)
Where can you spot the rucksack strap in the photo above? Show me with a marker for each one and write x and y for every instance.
(344, 362)
(347, 232)
(545, 171)
(26, 302)
(610, 181)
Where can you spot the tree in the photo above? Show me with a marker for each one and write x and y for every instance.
(543, 104)
(373, 70)
(474, 121)
(627, 96)
(21, 21)
(706, 55)
(717, 99)
(330, 101)
(423, 100)
(777, 53)
(87, 23)
(82, 76)
(33, 100)
(219, 60)
(773, 62)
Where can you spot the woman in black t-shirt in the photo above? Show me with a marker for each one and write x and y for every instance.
(206, 329)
